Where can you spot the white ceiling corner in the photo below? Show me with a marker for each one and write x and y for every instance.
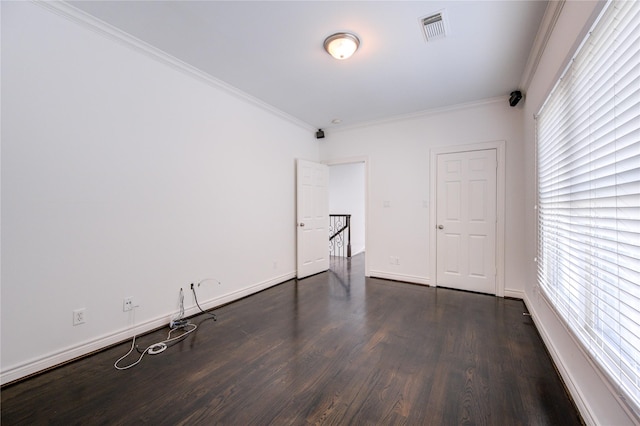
(273, 51)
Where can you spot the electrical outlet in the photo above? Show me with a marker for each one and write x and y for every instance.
(127, 304)
(79, 317)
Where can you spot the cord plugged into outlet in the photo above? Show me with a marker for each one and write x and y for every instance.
(173, 324)
(127, 304)
(178, 322)
(195, 297)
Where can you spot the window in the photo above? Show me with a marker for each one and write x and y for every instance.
(588, 171)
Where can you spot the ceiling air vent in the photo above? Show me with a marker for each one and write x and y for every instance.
(434, 26)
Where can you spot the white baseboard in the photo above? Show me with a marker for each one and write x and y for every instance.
(593, 394)
(400, 277)
(514, 294)
(560, 364)
(65, 355)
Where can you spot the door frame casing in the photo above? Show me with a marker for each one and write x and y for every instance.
(500, 147)
(366, 161)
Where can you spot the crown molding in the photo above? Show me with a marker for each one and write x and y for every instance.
(110, 32)
(549, 20)
(421, 114)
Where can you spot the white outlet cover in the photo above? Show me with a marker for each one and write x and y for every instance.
(79, 316)
(127, 304)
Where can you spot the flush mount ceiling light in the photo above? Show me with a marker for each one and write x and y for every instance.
(341, 45)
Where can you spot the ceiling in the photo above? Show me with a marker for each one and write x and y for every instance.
(273, 51)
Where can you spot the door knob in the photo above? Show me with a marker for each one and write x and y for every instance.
(440, 227)
(301, 224)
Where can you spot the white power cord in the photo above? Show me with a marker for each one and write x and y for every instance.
(155, 348)
(177, 323)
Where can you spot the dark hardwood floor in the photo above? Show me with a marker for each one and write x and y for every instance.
(334, 348)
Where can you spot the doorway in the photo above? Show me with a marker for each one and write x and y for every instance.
(348, 196)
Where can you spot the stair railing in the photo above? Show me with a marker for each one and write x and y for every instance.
(340, 235)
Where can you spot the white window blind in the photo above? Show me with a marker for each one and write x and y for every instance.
(588, 166)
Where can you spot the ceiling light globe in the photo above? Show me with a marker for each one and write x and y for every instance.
(341, 45)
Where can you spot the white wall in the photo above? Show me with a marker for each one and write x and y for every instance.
(125, 176)
(398, 159)
(594, 397)
(347, 196)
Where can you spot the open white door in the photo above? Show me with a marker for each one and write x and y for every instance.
(466, 221)
(312, 218)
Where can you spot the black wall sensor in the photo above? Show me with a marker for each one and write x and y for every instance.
(515, 98)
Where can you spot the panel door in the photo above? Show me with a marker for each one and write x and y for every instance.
(312, 218)
(466, 221)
